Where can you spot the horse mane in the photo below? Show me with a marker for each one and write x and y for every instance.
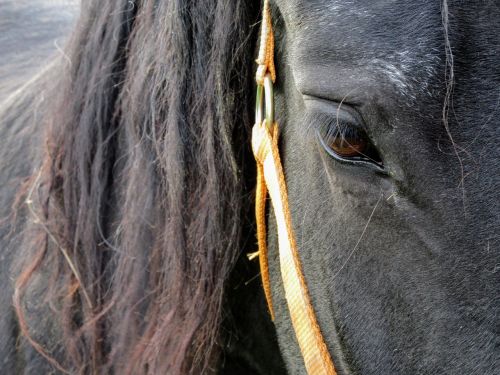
(139, 202)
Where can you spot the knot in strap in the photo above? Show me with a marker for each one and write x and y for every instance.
(265, 59)
(263, 140)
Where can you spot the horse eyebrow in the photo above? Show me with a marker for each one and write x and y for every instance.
(408, 72)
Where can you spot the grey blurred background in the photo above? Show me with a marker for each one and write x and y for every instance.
(31, 32)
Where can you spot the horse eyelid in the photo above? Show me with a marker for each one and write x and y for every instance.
(316, 121)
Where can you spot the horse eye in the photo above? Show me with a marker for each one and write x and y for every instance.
(348, 143)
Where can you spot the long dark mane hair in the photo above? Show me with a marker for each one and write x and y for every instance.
(139, 202)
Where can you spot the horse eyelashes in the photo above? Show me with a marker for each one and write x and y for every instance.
(344, 141)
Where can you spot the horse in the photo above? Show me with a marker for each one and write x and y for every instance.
(128, 188)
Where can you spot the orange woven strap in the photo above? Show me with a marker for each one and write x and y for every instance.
(270, 177)
(265, 60)
(260, 214)
(312, 345)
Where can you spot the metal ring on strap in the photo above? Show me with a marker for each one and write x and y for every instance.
(265, 95)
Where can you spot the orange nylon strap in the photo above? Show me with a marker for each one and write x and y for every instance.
(270, 177)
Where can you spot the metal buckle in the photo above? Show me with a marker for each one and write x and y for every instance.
(265, 93)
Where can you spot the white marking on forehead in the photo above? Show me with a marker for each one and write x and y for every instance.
(395, 75)
(407, 72)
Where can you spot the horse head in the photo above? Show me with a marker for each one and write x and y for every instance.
(388, 118)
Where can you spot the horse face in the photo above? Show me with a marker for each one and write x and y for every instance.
(399, 246)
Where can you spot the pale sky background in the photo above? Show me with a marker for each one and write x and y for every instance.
(31, 32)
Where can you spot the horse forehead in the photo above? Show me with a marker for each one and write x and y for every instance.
(376, 16)
(404, 41)
(397, 40)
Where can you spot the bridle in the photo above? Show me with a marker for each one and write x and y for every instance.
(271, 179)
